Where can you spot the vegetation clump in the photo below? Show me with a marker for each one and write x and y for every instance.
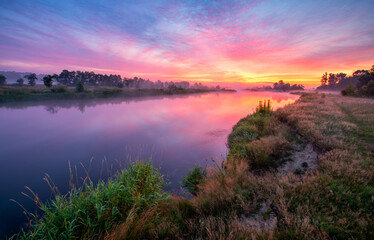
(192, 180)
(20, 81)
(349, 91)
(2, 80)
(92, 210)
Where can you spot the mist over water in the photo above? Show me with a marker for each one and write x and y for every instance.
(177, 131)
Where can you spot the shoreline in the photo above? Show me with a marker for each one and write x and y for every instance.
(40, 93)
(284, 168)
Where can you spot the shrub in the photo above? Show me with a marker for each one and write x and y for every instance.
(242, 133)
(349, 91)
(263, 153)
(20, 81)
(194, 177)
(2, 80)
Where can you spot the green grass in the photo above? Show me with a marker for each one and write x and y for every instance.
(93, 210)
(194, 177)
(259, 138)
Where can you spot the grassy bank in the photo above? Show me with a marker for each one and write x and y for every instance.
(246, 197)
(29, 93)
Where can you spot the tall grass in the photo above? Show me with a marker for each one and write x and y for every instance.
(259, 138)
(91, 211)
(194, 177)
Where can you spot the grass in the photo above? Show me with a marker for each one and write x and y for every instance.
(29, 93)
(243, 198)
(194, 177)
(91, 211)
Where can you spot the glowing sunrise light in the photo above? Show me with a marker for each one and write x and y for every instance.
(211, 41)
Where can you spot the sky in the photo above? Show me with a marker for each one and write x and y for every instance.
(192, 40)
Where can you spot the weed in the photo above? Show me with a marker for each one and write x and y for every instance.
(194, 177)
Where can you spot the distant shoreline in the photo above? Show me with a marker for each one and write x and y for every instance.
(28, 93)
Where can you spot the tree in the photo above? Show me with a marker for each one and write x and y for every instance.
(120, 85)
(360, 72)
(2, 80)
(340, 76)
(79, 87)
(20, 81)
(363, 80)
(332, 79)
(48, 81)
(324, 79)
(32, 79)
(370, 88)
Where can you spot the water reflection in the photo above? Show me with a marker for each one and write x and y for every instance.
(53, 106)
(179, 131)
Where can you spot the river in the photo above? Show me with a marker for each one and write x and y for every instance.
(177, 132)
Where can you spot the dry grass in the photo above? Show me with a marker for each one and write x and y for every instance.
(335, 201)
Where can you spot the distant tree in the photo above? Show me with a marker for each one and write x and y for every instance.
(340, 76)
(172, 87)
(48, 81)
(20, 81)
(363, 80)
(365, 83)
(32, 79)
(2, 80)
(282, 86)
(360, 72)
(324, 79)
(369, 88)
(79, 87)
(332, 79)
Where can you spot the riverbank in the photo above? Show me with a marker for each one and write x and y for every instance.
(32, 93)
(253, 194)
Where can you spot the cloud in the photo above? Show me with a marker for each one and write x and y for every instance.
(188, 40)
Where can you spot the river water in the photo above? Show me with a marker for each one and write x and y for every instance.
(103, 135)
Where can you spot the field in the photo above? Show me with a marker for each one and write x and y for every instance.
(305, 171)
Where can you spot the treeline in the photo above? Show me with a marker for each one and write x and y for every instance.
(282, 86)
(360, 82)
(279, 86)
(75, 78)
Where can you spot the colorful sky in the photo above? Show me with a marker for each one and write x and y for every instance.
(197, 40)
